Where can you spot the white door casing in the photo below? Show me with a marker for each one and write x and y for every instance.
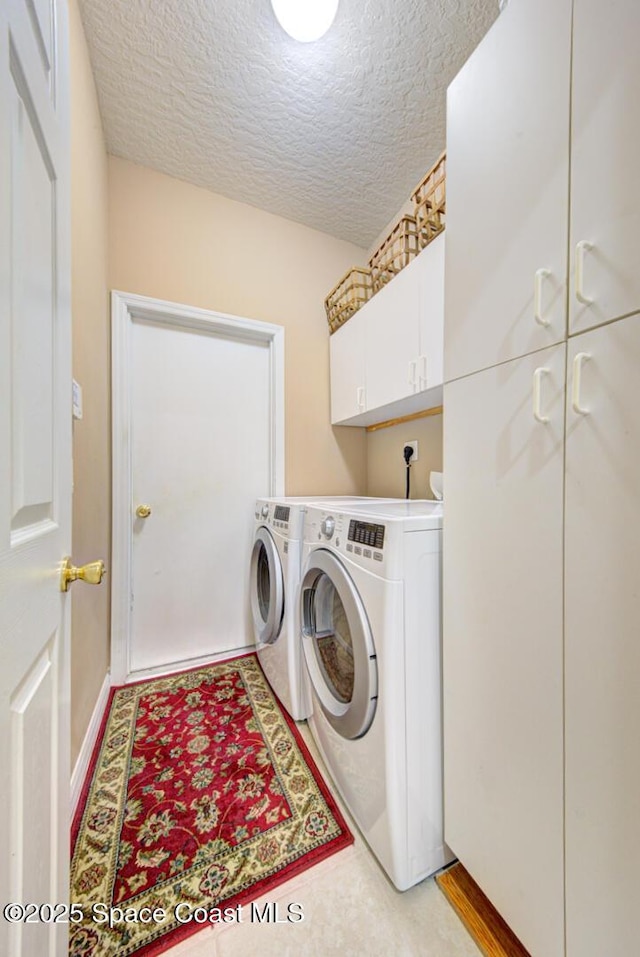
(198, 435)
(35, 468)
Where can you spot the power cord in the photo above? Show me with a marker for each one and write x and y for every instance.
(408, 452)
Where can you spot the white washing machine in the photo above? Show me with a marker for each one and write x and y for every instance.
(274, 581)
(371, 635)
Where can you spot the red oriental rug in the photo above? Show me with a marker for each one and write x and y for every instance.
(201, 797)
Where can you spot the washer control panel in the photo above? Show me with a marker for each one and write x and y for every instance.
(328, 526)
(366, 533)
(281, 514)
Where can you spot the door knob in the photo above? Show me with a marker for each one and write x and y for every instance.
(91, 573)
(143, 511)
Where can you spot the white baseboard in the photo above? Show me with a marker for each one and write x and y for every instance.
(162, 671)
(90, 738)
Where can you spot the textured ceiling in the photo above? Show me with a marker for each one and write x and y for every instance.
(334, 134)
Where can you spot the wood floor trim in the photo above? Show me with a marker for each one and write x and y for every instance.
(490, 932)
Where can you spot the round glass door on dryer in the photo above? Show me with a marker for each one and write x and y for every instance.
(266, 588)
(338, 645)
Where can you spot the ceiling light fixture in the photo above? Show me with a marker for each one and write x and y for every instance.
(305, 20)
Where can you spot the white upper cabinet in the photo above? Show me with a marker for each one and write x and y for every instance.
(346, 349)
(507, 189)
(605, 163)
(392, 339)
(431, 297)
(386, 361)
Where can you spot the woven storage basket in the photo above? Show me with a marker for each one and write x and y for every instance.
(429, 199)
(354, 289)
(399, 248)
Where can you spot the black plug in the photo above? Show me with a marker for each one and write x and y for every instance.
(408, 452)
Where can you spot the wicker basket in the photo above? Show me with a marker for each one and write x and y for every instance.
(429, 199)
(399, 248)
(354, 289)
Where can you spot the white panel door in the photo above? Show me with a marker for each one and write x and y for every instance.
(502, 639)
(601, 646)
(392, 339)
(507, 190)
(348, 385)
(35, 468)
(605, 159)
(431, 314)
(202, 424)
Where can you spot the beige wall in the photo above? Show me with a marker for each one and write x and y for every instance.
(91, 435)
(140, 231)
(171, 240)
(386, 473)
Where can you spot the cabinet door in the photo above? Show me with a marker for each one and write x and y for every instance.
(605, 160)
(392, 342)
(502, 640)
(431, 314)
(602, 645)
(346, 348)
(507, 190)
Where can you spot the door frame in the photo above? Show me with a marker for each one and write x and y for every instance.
(126, 308)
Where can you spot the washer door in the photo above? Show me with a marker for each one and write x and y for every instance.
(338, 645)
(267, 588)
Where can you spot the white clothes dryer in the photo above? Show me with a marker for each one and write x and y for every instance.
(371, 636)
(274, 582)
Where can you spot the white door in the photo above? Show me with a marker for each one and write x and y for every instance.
(502, 639)
(602, 673)
(35, 468)
(205, 429)
(507, 190)
(605, 157)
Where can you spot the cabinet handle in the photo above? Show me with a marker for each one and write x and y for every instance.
(412, 373)
(360, 397)
(582, 248)
(423, 371)
(578, 362)
(541, 275)
(537, 388)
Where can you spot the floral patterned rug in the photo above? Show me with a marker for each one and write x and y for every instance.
(201, 796)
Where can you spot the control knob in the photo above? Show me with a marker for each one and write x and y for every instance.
(265, 511)
(328, 526)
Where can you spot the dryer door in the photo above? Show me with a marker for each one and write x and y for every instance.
(267, 588)
(338, 645)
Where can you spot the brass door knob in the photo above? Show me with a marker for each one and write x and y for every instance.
(92, 573)
(143, 511)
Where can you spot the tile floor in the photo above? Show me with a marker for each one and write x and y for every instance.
(350, 909)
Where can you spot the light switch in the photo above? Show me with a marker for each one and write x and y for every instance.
(77, 400)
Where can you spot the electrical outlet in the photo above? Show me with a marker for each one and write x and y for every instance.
(414, 446)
